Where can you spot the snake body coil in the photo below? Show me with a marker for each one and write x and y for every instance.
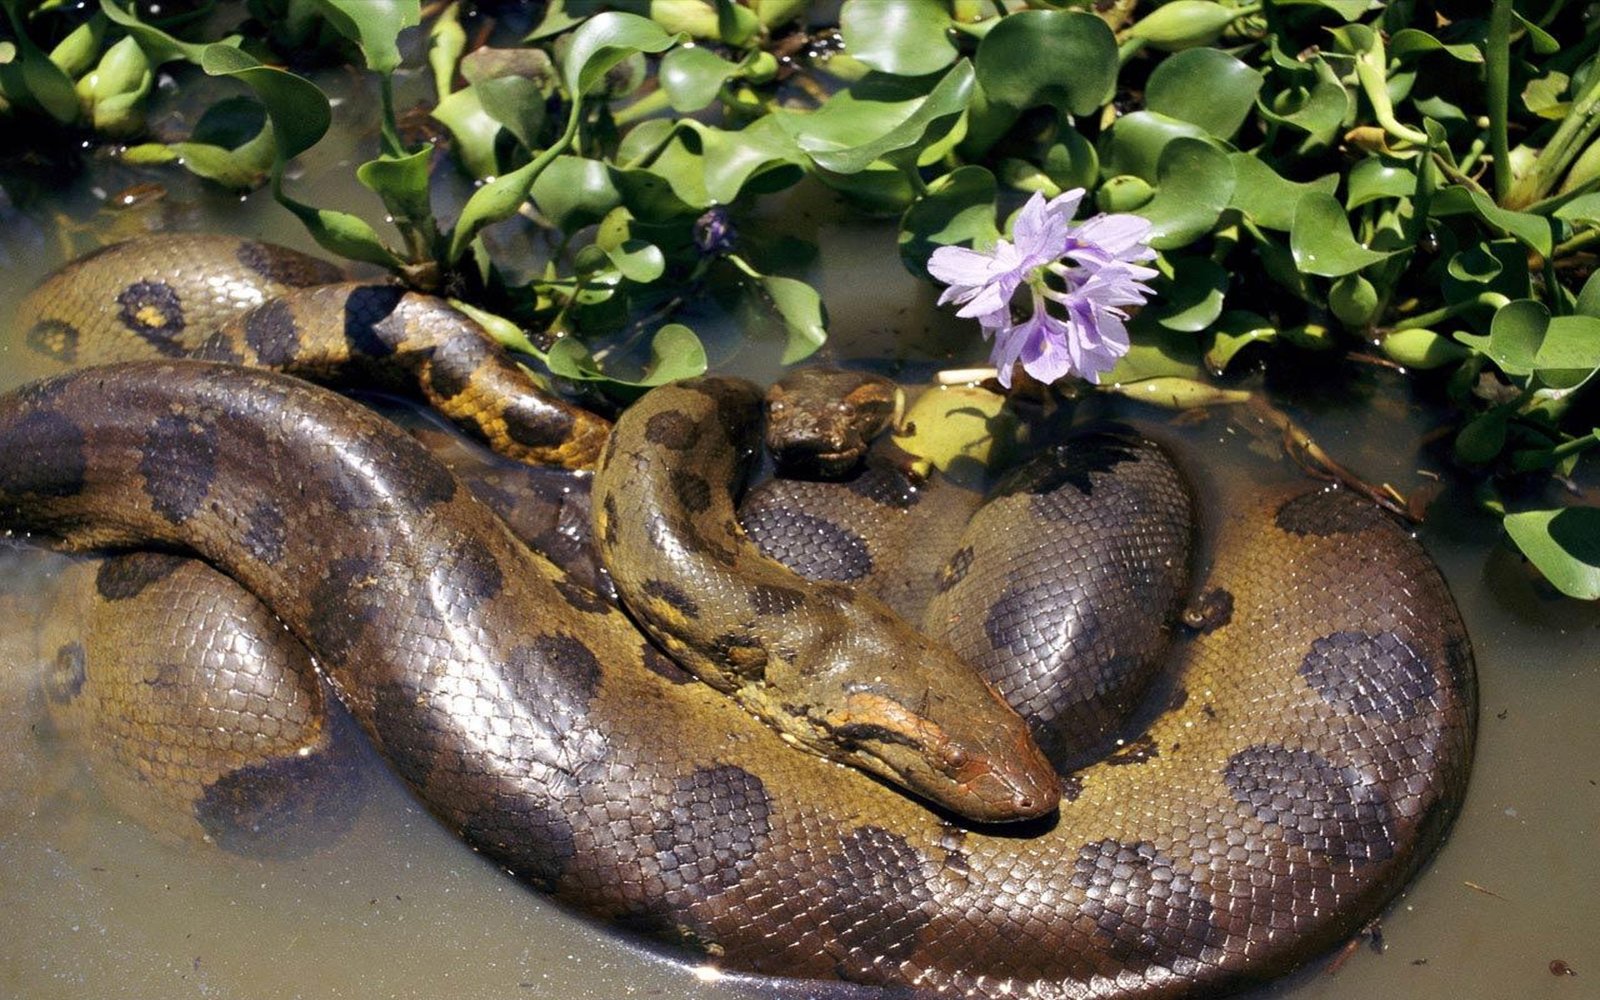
(1314, 748)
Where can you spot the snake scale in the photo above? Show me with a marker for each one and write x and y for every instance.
(1312, 750)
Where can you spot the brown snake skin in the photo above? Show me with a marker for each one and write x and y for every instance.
(1314, 751)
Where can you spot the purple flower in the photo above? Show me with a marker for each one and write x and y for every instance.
(1078, 278)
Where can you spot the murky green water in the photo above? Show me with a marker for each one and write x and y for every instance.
(96, 907)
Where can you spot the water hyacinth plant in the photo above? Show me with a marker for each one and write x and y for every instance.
(1405, 184)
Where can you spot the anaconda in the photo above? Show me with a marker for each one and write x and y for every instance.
(1320, 745)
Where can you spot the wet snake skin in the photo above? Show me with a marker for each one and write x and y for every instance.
(1314, 746)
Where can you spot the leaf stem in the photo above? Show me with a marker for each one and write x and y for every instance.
(1497, 57)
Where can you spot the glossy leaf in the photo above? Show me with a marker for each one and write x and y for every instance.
(877, 117)
(957, 210)
(796, 304)
(1268, 198)
(904, 37)
(1321, 241)
(1183, 24)
(30, 75)
(1138, 141)
(692, 76)
(638, 261)
(1514, 336)
(1319, 110)
(158, 46)
(574, 192)
(1414, 41)
(299, 111)
(1194, 183)
(1533, 230)
(1376, 177)
(605, 40)
(1236, 330)
(1192, 299)
(675, 353)
(1205, 87)
(1565, 546)
(374, 25)
(516, 103)
(402, 183)
(1065, 59)
(473, 129)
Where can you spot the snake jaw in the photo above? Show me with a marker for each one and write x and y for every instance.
(991, 780)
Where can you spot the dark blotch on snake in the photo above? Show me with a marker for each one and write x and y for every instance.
(122, 577)
(1370, 674)
(771, 599)
(151, 310)
(889, 487)
(534, 841)
(691, 489)
(1148, 912)
(258, 809)
(339, 614)
(285, 267)
(479, 572)
(671, 595)
(1326, 809)
(452, 364)
(814, 547)
(611, 534)
(662, 665)
(43, 456)
(55, 339)
(67, 674)
(178, 461)
(581, 597)
(875, 894)
(536, 424)
(368, 324)
(217, 347)
(272, 333)
(671, 429)
(567, 658)
(266, 532)
(716, 821)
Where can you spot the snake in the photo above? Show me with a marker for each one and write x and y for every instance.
(1309, 752)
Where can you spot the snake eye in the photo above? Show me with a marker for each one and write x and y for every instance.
(954, 758)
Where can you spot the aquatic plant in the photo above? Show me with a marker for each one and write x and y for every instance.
(1408, 184)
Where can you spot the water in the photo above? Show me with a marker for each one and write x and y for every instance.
(97, 907)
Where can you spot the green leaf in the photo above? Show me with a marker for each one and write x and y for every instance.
(675, 353)
(692, 76)
(1194, 182)
(638, 261)
(796, 304)
(1192, 299)
(1155, 353)
(1515, 335)
(1205, 87)
(1483, 437)
(1543, 96)
(1414, 41)
(32, 76)
(1570, 352)
(574, 192)
(958, 209)
(876, 117)
(1535, 231)
(342, 233)
(1582, 210)
(1139, 139)
(515, 102)
(473, 129)
(1236, 329)
(374, 25)
(1588, 303)
(1268, 198)
(903, 37)
(1183, 24)
(299, 111)
(1065, 59)
(1565, 546)
(605, 40)
(1347, 9)
(1319, 111)
(1321, 241)
(402, 183)
(1420, 348)
(1377, 177)
(159, 47)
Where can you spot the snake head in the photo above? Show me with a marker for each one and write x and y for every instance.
(985, 768)
(821, 421)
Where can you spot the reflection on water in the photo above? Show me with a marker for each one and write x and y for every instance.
(398, 908)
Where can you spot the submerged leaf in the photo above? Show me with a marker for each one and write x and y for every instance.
(1565, 546)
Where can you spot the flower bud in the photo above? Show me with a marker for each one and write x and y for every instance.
(1353, 300)
(1183, 24)
(113, 92)
(1123, 193)
(1419, 348)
